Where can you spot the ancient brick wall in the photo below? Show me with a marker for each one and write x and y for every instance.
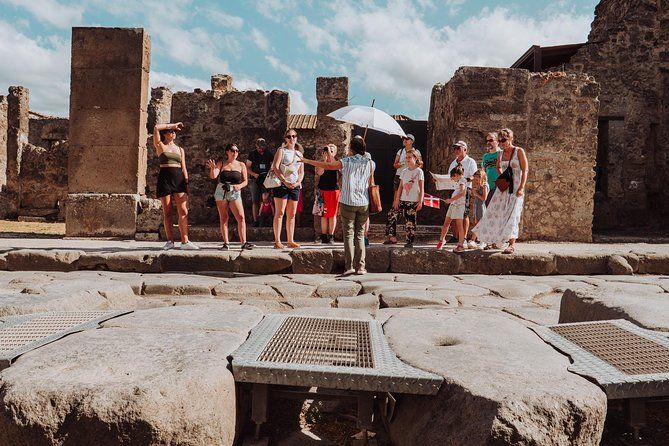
(553, 116)
(212, 119)
(3, 141)
(43, 180)
(45, 132)
(628, 54)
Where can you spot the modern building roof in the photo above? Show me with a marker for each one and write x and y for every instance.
(542, 58)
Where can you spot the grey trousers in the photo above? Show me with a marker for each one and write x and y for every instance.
(353, 225)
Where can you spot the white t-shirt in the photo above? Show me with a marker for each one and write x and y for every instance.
(468, 165)
(402, 153)
(461, 200)
(410, 186)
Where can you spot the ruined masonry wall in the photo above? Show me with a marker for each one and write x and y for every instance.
(3, 142)
(628, 54)
(553, 116)
(212, 119)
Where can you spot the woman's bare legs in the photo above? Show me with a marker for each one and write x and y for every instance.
(238, 211)
(279, 211)
(166, 203)
(182, 209)
(291, 210)
(222, 207)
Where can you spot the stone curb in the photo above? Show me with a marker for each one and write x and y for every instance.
(329, 261)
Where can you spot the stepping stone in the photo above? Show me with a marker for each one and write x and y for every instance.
(503, 384)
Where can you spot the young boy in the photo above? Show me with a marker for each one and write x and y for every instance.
(456, 210)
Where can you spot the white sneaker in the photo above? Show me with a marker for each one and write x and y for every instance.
(348, 272)
(361, 272)
(168, 245)
(480, 245)
(471, 244)
(190, 246)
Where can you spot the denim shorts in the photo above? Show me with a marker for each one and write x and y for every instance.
(221, 194)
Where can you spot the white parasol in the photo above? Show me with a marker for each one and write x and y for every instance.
(368, 117)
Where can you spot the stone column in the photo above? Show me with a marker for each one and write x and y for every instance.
(17, 137)
(3, 142)
(108, 116)
(331, 94)
(221, 83)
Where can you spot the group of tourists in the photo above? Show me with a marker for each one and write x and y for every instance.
(489, 199)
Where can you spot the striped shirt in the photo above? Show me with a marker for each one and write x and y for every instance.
(355, 171)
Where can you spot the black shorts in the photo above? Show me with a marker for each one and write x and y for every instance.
(170, 181)
(286, 194)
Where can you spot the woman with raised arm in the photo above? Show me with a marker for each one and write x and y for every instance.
(290, 172)
(172, 182)
(232, 178)
(357, 175)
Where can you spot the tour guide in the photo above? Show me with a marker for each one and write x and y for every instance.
(357, 175)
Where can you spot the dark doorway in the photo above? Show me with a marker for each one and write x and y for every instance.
(383, 148)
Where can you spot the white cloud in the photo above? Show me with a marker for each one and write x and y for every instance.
(195, 47)
(225, 20)
(298, 106)
(317, 37)
(260, 39)
(51, 11)
(283, 68)
(406, 61)
(275, 10)
(41, 65)
(177, 82)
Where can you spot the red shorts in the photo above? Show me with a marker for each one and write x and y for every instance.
(330, 203)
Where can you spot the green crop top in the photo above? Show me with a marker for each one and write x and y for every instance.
(171, 158)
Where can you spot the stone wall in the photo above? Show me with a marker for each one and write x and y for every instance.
(212, 119)
(108, 116)
(553, 116)
(3, 142)
(628, 54)
(47, 131)
(43, 181)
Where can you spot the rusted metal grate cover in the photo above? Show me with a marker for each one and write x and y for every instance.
(20, 334)
(627, 361)
(335, 353)
(624, 350)
(320, 341)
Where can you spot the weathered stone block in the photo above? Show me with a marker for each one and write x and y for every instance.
(312, 261)
(424, 261)
(122, 261)
(149, 215)
(101, 215)
(221, 83)
(110, 48)
(43, 260)
(259, 262)
(175, 260)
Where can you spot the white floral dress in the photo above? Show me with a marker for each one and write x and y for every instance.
(502, 217)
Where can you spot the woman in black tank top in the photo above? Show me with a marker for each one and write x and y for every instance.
(328, 188)
(232, 177)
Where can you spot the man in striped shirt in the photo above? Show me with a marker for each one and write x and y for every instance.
(357, 175)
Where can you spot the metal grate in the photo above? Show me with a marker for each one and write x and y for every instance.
(624, 350)
(32, 330)
(325, 352)
(320, 341)
(20, 334)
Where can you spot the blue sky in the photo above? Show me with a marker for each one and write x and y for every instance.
(393, 51)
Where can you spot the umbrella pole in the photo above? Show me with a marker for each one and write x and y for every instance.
(364, 135)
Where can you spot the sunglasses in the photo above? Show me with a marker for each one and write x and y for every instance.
(291, 136)
(489, 140)
(503, 139)
(233, 150)
(457, 148)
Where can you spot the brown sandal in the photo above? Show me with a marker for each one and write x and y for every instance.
(292, 245)
(278, 245)
(509, 250)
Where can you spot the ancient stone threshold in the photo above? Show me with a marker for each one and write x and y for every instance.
(555, 260)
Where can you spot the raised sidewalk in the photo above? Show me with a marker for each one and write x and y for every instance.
(530, 258)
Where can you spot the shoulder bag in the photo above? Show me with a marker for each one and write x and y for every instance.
(374, 195)
(505, 180)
